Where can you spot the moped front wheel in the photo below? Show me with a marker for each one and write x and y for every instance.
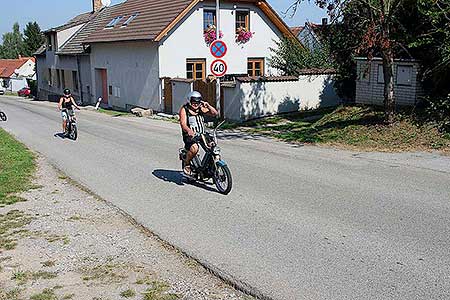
(223, 180)
(73, 132)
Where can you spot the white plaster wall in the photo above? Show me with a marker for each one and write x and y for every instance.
(180, 92)
(257, 99)
(64, 35)
(131, 67)
(187, 41)
(27, 70)
(17, 84)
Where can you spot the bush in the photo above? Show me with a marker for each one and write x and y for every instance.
(33, 87)
(438, 111)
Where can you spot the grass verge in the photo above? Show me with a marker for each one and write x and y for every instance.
(114, 113)
(353, 127)
(17, 167)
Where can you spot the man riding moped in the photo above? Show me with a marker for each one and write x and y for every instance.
(192, 122)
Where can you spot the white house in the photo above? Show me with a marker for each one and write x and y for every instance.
(146, 41)
(125, 53)
(14, 73)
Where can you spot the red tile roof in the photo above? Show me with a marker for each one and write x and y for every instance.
(266, 78)
(9, 66)
(317, 71)
(297, 30)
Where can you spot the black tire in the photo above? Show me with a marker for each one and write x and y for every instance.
(3, 116)
(73, 132)
(220, 178)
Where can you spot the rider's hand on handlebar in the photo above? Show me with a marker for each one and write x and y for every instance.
(191, 133)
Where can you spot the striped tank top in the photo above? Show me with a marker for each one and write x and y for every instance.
(195, 122)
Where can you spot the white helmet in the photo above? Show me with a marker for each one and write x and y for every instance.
(195, 96)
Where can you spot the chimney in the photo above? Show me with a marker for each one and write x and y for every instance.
(324, 21)
(96, 5)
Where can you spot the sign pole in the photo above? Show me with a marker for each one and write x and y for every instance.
(218, 37)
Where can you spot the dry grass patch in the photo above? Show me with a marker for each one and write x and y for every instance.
(354, 127)
(11, 225)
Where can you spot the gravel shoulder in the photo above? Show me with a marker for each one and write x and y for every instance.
(64, 243)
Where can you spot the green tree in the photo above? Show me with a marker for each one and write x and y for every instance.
(12, 43)
(290, 57)
(379, 32)
(33, 38)
(432, 44)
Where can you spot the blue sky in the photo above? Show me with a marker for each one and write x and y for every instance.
(50, 13)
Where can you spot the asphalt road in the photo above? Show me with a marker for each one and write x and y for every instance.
(300, 223)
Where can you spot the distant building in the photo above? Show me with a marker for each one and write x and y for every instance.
(311, 35)
(14, 73)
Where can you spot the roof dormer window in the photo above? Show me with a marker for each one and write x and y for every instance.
(131, 18)
(114, 22)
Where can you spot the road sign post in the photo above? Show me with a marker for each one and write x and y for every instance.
(218, 79)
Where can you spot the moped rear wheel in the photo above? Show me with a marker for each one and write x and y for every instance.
(223, 180)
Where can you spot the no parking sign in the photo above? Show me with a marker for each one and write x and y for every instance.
(218, 49)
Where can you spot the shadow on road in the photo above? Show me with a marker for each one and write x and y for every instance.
(60, 135)
(245, 136)
(177, 178)
(169, 176)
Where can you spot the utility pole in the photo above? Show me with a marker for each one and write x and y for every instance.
(217, 38)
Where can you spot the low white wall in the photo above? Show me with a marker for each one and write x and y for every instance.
(180, 92)
(16, 84)
(250, 100)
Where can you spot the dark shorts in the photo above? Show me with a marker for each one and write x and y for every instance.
(188, 142)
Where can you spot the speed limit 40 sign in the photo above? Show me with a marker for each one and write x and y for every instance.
(219, 68)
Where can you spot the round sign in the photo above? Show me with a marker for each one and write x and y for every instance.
(218, 49)
(219, 68)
